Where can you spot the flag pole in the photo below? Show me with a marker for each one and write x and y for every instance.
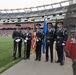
(34, 30)
(55, 37)
(43, 41)
(33, 38)
(44, 44)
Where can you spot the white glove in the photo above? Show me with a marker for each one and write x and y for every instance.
(17, 40)
(25, 40)
(63, 44)
(37, 40)
(27, 34)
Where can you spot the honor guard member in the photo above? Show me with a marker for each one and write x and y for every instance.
(61, 37)
(27, 43)
(49, 41)
(39, 36)
(17, 36)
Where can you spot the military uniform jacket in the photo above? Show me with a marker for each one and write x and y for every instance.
(50, 36)
(61, 36)
(28, 37)
(39, 35)
(17, 34)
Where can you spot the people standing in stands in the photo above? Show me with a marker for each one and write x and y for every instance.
(27, 43)
(17, 37)
(49, 42)
(61, 37)
(39, 37)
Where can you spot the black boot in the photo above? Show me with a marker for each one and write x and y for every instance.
(46, 60)
(61, 63)
(39, 59)
(57, 61)
(51, 61)
(36, 59)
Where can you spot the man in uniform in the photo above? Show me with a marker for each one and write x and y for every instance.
(17, 37)
(49, 41)
(61, 37)
(27, 42)
(39, 36)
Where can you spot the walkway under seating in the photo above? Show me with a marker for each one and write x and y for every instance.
(32, 67)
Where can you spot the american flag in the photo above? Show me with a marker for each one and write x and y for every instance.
(34, 38)
(34, 42)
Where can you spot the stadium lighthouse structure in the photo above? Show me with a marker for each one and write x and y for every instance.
(23, 15)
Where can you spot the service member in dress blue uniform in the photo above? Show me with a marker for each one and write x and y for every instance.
(17, 37)
(27, 43)
(39, 36)
(49, 42)
(61, 37)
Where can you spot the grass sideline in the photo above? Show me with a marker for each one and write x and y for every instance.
(6, 49)
(9, 65)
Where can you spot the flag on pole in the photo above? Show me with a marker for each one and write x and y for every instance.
(34, 38)
(45, 28)
(56, 25)
(55, 37)
(34, 42)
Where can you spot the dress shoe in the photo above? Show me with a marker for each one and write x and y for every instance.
(62, 63)
(28, 58)
(51, 61)
(25, 58)
(14, 58)
(39, 59)
(19, 56)
(36, 59)
(57, 61)
(46, 60)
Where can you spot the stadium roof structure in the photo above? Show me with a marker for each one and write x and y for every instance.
(55, 8)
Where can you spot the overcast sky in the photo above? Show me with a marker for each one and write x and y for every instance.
(9, 4)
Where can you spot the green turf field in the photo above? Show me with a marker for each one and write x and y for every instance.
(6, 49)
